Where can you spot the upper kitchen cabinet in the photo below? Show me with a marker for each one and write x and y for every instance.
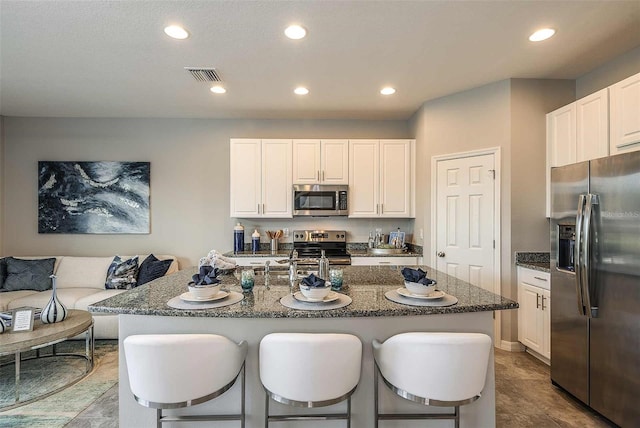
(321, 162)
(561, 136)
(260, 178)
(625, 115)
(381, 178)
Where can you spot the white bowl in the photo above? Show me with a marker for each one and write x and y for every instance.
(420, 289)
(315, 293)
(204, 291)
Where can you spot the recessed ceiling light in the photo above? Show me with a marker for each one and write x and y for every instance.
(218, 89)
(541, 35)
(301, 90)
(295, 32)
(387, 91)
(176, 31)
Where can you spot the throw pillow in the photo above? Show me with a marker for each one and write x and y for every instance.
(3, 272)
(122, 275)
(28, 274)
(152, 268)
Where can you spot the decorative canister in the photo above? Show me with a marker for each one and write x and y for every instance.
(255, 241)
(55, 311)
(238, 238)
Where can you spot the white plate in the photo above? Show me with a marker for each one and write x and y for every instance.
(431, 296)
(332, 296)
(188, 297)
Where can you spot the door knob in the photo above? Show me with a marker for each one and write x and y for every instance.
(440, 254)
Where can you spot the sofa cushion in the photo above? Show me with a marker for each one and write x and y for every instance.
(83, 302)
(3, 271)
(152, 268)
(68, 296)
(28, 274)
(122, 274)
(82, 272)
(9, 296)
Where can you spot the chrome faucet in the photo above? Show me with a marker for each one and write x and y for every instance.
(266, 267)
(293, 267)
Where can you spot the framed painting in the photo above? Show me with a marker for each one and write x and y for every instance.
(93, 197)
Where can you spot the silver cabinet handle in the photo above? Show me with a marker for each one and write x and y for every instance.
(540, 279)
(381, 208)
(578, 254)
(323, 175)
(440, 254)
(258, 208)
(384, 263)
(537, 301)
(377, 208)
(318, 175)
(255, 263)
(543, 299)
(263, 209)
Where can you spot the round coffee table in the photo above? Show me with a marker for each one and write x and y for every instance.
(42, 335)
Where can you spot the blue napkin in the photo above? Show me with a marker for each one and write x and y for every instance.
(207, 276)
(313, 281)
(416, 275)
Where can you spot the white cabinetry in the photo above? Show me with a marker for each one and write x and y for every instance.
(260, 178)
(321, 162)
(577, 132)
(625, 115)
(534, 313)
(381, 178)
(384, 261)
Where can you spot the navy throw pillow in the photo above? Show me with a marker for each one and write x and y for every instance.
(28, 274)
(3, 272)
(122, 275)
(152, 268)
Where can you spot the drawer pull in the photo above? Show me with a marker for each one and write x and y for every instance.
(540, 279)
(537, 301)
(384, 263)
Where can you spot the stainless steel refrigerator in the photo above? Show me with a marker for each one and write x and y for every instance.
(595, 284)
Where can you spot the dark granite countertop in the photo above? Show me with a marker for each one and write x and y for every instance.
(366, 285)
(532, 260)
(543, 267)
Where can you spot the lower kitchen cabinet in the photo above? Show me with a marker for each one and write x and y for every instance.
(534, 314)
(384, 261)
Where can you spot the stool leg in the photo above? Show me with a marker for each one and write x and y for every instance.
(242, 403)
(266, 410)
(375, 392)
(457, 413)
(159, 418)
(349, 412)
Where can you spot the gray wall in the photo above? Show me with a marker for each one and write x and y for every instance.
(189, 179)
(2, 204)
(613, 71)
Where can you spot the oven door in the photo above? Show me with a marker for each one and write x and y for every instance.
(318, 200)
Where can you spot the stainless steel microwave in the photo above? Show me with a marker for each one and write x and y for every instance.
(319, 200)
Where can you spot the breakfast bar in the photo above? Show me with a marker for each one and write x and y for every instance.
(370, 315)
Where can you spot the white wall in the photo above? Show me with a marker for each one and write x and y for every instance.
(613, 71)
(189, 179)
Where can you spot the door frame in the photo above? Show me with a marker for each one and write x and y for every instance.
(495, 151)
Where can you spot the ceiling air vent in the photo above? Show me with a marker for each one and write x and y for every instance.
(204, 74)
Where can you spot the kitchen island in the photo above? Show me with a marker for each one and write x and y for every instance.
(370, 316)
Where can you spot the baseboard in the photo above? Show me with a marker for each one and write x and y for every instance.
(511, 346)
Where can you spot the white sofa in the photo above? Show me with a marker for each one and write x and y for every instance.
(80, 283)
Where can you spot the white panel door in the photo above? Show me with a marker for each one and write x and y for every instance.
(592, 126)
(363, 178)
(561, 131)
(245, 178)
(277, 190)
(395, 178)
(334, 160)
(465, 190)
(625, 115)
(306, 161)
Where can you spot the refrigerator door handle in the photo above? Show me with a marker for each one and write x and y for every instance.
(578, 255)
(591, 311)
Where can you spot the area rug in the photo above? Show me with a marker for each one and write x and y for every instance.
(58, 409)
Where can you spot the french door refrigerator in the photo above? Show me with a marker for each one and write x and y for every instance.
(595, 284)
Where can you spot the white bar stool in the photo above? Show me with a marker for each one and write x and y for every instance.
(434, 369)
(169, 371)
(309, 370)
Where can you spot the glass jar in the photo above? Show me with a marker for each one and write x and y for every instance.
(247, 280)
(335, 276)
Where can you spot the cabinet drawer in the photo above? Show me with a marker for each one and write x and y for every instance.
(535, 277)
(384, 261)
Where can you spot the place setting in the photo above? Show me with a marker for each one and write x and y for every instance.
(204, 292)
(316, 294)
(419, 290)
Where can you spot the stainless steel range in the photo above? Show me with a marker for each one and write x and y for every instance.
(310, 243)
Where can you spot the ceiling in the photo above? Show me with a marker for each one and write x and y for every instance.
(112, 59)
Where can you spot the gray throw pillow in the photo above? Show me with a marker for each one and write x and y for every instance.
(3, 272)
(28, 274)
(122, 275)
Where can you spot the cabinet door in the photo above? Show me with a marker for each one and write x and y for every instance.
(561, 135)
(363, 178)
(277, 192)
(395, 178)
(245, 178)
(625, 115)
(530, 319)
(546, 323)
(306, 161)
(334, 159)
(592, 126)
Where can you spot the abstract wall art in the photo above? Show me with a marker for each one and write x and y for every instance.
(93, 197)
